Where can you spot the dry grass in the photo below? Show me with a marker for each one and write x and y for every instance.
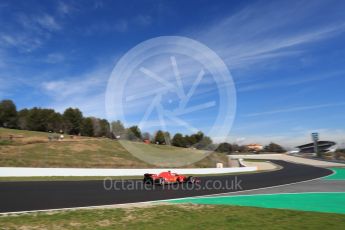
(31, 140)
(33, 149)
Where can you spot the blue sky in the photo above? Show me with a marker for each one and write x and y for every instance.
(286, 57)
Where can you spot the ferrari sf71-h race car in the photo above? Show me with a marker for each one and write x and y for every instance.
(168, 178)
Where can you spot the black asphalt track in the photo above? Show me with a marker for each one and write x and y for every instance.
(27, 196)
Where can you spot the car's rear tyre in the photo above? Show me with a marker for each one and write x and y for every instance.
(148, 181)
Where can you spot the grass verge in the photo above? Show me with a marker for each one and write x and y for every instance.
(176, 217)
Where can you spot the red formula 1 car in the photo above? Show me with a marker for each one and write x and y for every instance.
(168, 178)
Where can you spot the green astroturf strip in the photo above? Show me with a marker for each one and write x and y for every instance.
(338, 175)
(318, 202)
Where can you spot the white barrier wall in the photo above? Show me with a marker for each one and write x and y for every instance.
(289, 158)
(257, 156)
(30, 172)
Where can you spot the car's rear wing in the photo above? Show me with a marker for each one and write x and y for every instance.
(149, 175)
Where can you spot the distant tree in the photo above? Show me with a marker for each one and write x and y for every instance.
(235, 147)
(54, 121)
(8, 114)
(44, 120)
(73, 122)
(273, 147)
(190, 140)
(87, 127)
(96, 127)
(239, 148)
(35, 120)
(193, 139)
(167, 138)
(23, 119)
(134, 133)
(243, 148)
(117, 129)
(101, 127)
(179, 141)
(198, 136)
(205, 143)
(224, 148)
(73, 119)
(105, 128)
(159, 137)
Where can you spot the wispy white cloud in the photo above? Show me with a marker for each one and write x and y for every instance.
(296, 109)
(85, 91)
(272, 47)
(64, 9)
(89, 104)
(55, 58)
(21, 41)
(31, 33)
(81, 85)
(104, 27)
(287, 82)
(48, 22)
(141, 88)
(260, 32)
(119, 25)
(143, 20)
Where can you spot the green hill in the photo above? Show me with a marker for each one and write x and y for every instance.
(33, 149)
